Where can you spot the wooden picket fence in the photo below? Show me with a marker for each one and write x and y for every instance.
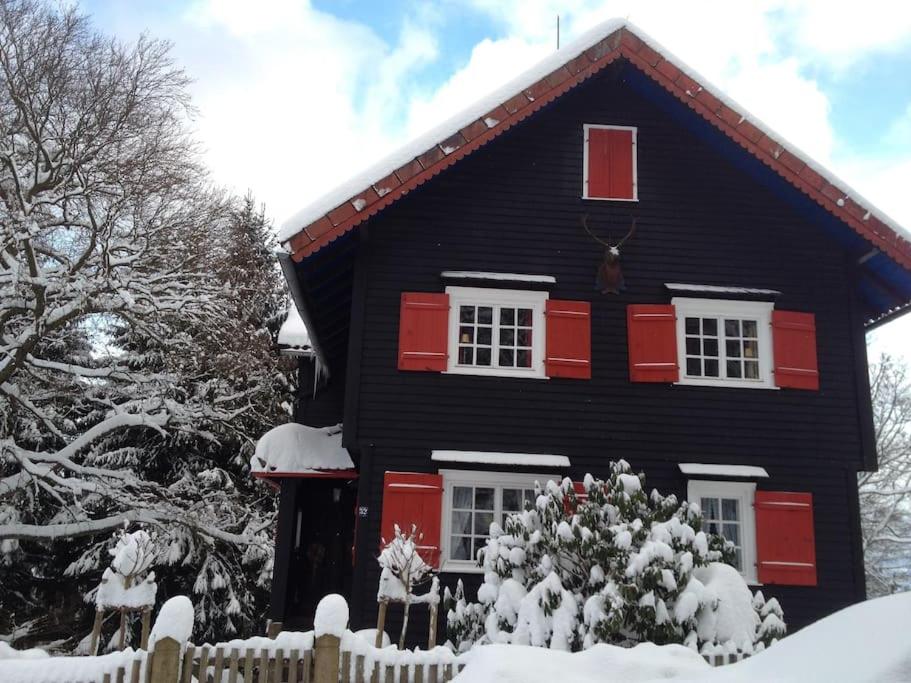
(327, 662)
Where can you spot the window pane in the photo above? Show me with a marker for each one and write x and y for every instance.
(709, 347)
(732, 533)
(692, 346)
(484, 336)
(507, 316)
(730, 509)
(692, 325)
(507, 337)
(523, 358)
(479, 544)
(738, 559)
(751, 369)
(466, 314)
(483, 499)
(461, 522)
(461, 548)
(485, 315)
(710, 327)
(461, 497)
(524, 317)
(711, 368)
(709, 508)
(731, 328)
(749, 328)
(523, 338)
(732, 348)
(693, 367)
(483, 356)
(466, 335)
(482, 522)
(512, 500)
(733, 369)
(750, 349)
(466, 355)
(506, 358)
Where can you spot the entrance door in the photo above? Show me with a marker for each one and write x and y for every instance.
(321, 561)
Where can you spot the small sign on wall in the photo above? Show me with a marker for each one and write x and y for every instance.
(362, 511)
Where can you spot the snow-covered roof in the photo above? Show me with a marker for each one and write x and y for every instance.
(293, 335)
(707, 470)
(378, 186)
(298, 449)
(487, 458)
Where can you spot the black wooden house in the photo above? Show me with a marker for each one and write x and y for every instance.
(465, 330)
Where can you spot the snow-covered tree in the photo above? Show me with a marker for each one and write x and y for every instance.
(616, 566)
(885, 495)
(402, 570)
(135, 356)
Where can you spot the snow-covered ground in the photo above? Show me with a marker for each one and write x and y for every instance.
(866, 643)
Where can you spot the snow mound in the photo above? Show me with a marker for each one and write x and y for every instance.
(523, 664)
(113, 592)
(735, 619)
(175, 620)
(7, 651)
(56, 669)
(293, 333)
(331, 616)
(298, 448)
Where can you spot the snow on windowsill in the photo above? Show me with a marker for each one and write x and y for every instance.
(489, 458)
(297, 448)
(714, 289)
(505, 277)
(749, 471)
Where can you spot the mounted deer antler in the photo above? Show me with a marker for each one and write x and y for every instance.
(610, 277)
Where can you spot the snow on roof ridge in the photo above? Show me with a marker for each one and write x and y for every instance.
(423, 142)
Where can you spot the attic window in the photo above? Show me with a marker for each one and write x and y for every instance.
(609, 163)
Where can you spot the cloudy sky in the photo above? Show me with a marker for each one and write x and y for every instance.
(294, 96)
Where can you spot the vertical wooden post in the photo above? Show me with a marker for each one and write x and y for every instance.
(121, 639)
(144, 638)
(164, 661)
(381, 624)
(326, 653)
(432, 635)
(273, 628)
(96, 633)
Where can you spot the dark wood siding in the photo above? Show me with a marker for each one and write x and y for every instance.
(514, 206)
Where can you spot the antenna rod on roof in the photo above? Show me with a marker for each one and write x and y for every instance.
(558, 31)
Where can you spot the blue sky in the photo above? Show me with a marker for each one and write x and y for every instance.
(294, 97)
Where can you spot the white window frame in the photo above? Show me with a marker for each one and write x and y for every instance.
(495, 480)
(745, 493)
(483, 296)
(585, 128)
(760, 311)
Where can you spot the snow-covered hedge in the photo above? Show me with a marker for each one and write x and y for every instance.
(614, 566)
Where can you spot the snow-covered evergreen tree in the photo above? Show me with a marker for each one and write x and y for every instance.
(136, 364)
(616, 566)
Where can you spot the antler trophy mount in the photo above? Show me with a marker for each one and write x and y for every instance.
(610, 276)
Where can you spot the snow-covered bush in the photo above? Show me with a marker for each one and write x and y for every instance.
(615, 565)
(403, 569)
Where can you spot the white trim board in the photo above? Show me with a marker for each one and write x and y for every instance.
(500, 277)
(709, 470)
(491, 458)
(715, 289)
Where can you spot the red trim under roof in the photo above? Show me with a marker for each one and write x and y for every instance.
(620, 43)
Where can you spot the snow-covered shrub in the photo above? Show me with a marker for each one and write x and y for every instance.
(615, 565)
(403, 569)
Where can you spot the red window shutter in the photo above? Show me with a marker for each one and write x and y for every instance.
(412, 498)
(423, 331)
(652, 337)
(581, 496)
(568, 339)
(610, 164)
(794, 344)
(785, 542)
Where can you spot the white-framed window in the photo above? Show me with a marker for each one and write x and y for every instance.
(471, 502)
(609, 163)
(496, 332)
(724, 343)
(727, 510)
